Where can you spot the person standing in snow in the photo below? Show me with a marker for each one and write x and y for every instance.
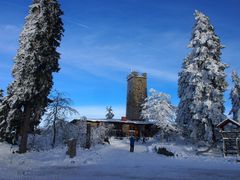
(132, 141)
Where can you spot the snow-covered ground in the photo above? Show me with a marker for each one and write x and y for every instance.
(110, 162)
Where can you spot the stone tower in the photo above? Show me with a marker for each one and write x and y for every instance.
(136, 94)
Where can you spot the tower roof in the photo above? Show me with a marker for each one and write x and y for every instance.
(136, 74)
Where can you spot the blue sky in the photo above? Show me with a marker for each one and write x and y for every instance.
(105, 39)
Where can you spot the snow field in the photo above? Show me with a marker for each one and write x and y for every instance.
(114, 161)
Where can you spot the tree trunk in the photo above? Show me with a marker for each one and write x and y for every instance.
(54, 133)
(24, 130)
(54, 125)
(214, 139)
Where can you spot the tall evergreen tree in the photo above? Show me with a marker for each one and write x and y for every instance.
(36, 60)
(235, 97)
(202, 83)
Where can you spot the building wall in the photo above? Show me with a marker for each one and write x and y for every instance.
(136, 94)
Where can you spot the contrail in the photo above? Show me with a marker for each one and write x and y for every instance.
(76, 23)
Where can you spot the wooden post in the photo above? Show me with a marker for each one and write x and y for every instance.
(238, 145)
(72, 143)
(224, 147)
(88, 136)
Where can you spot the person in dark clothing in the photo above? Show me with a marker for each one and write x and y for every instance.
(132, 141)
(143, 140)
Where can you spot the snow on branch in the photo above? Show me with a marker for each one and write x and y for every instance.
(158, 107)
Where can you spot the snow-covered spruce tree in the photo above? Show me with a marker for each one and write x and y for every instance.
(36, 60)
(110, 113)
(235, 97)
(158, 107)
(202, 83)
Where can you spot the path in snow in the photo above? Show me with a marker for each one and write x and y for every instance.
(115, 162)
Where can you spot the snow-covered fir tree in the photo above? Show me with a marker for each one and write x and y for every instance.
(158, 107)
(235, 97)
(110, 113)
(202, 83)
(36, 60)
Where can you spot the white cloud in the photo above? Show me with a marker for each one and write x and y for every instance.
(105, 66)
(9, 27)
(99, 111)
(158, 73)
(9, 38)
(158, 54)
